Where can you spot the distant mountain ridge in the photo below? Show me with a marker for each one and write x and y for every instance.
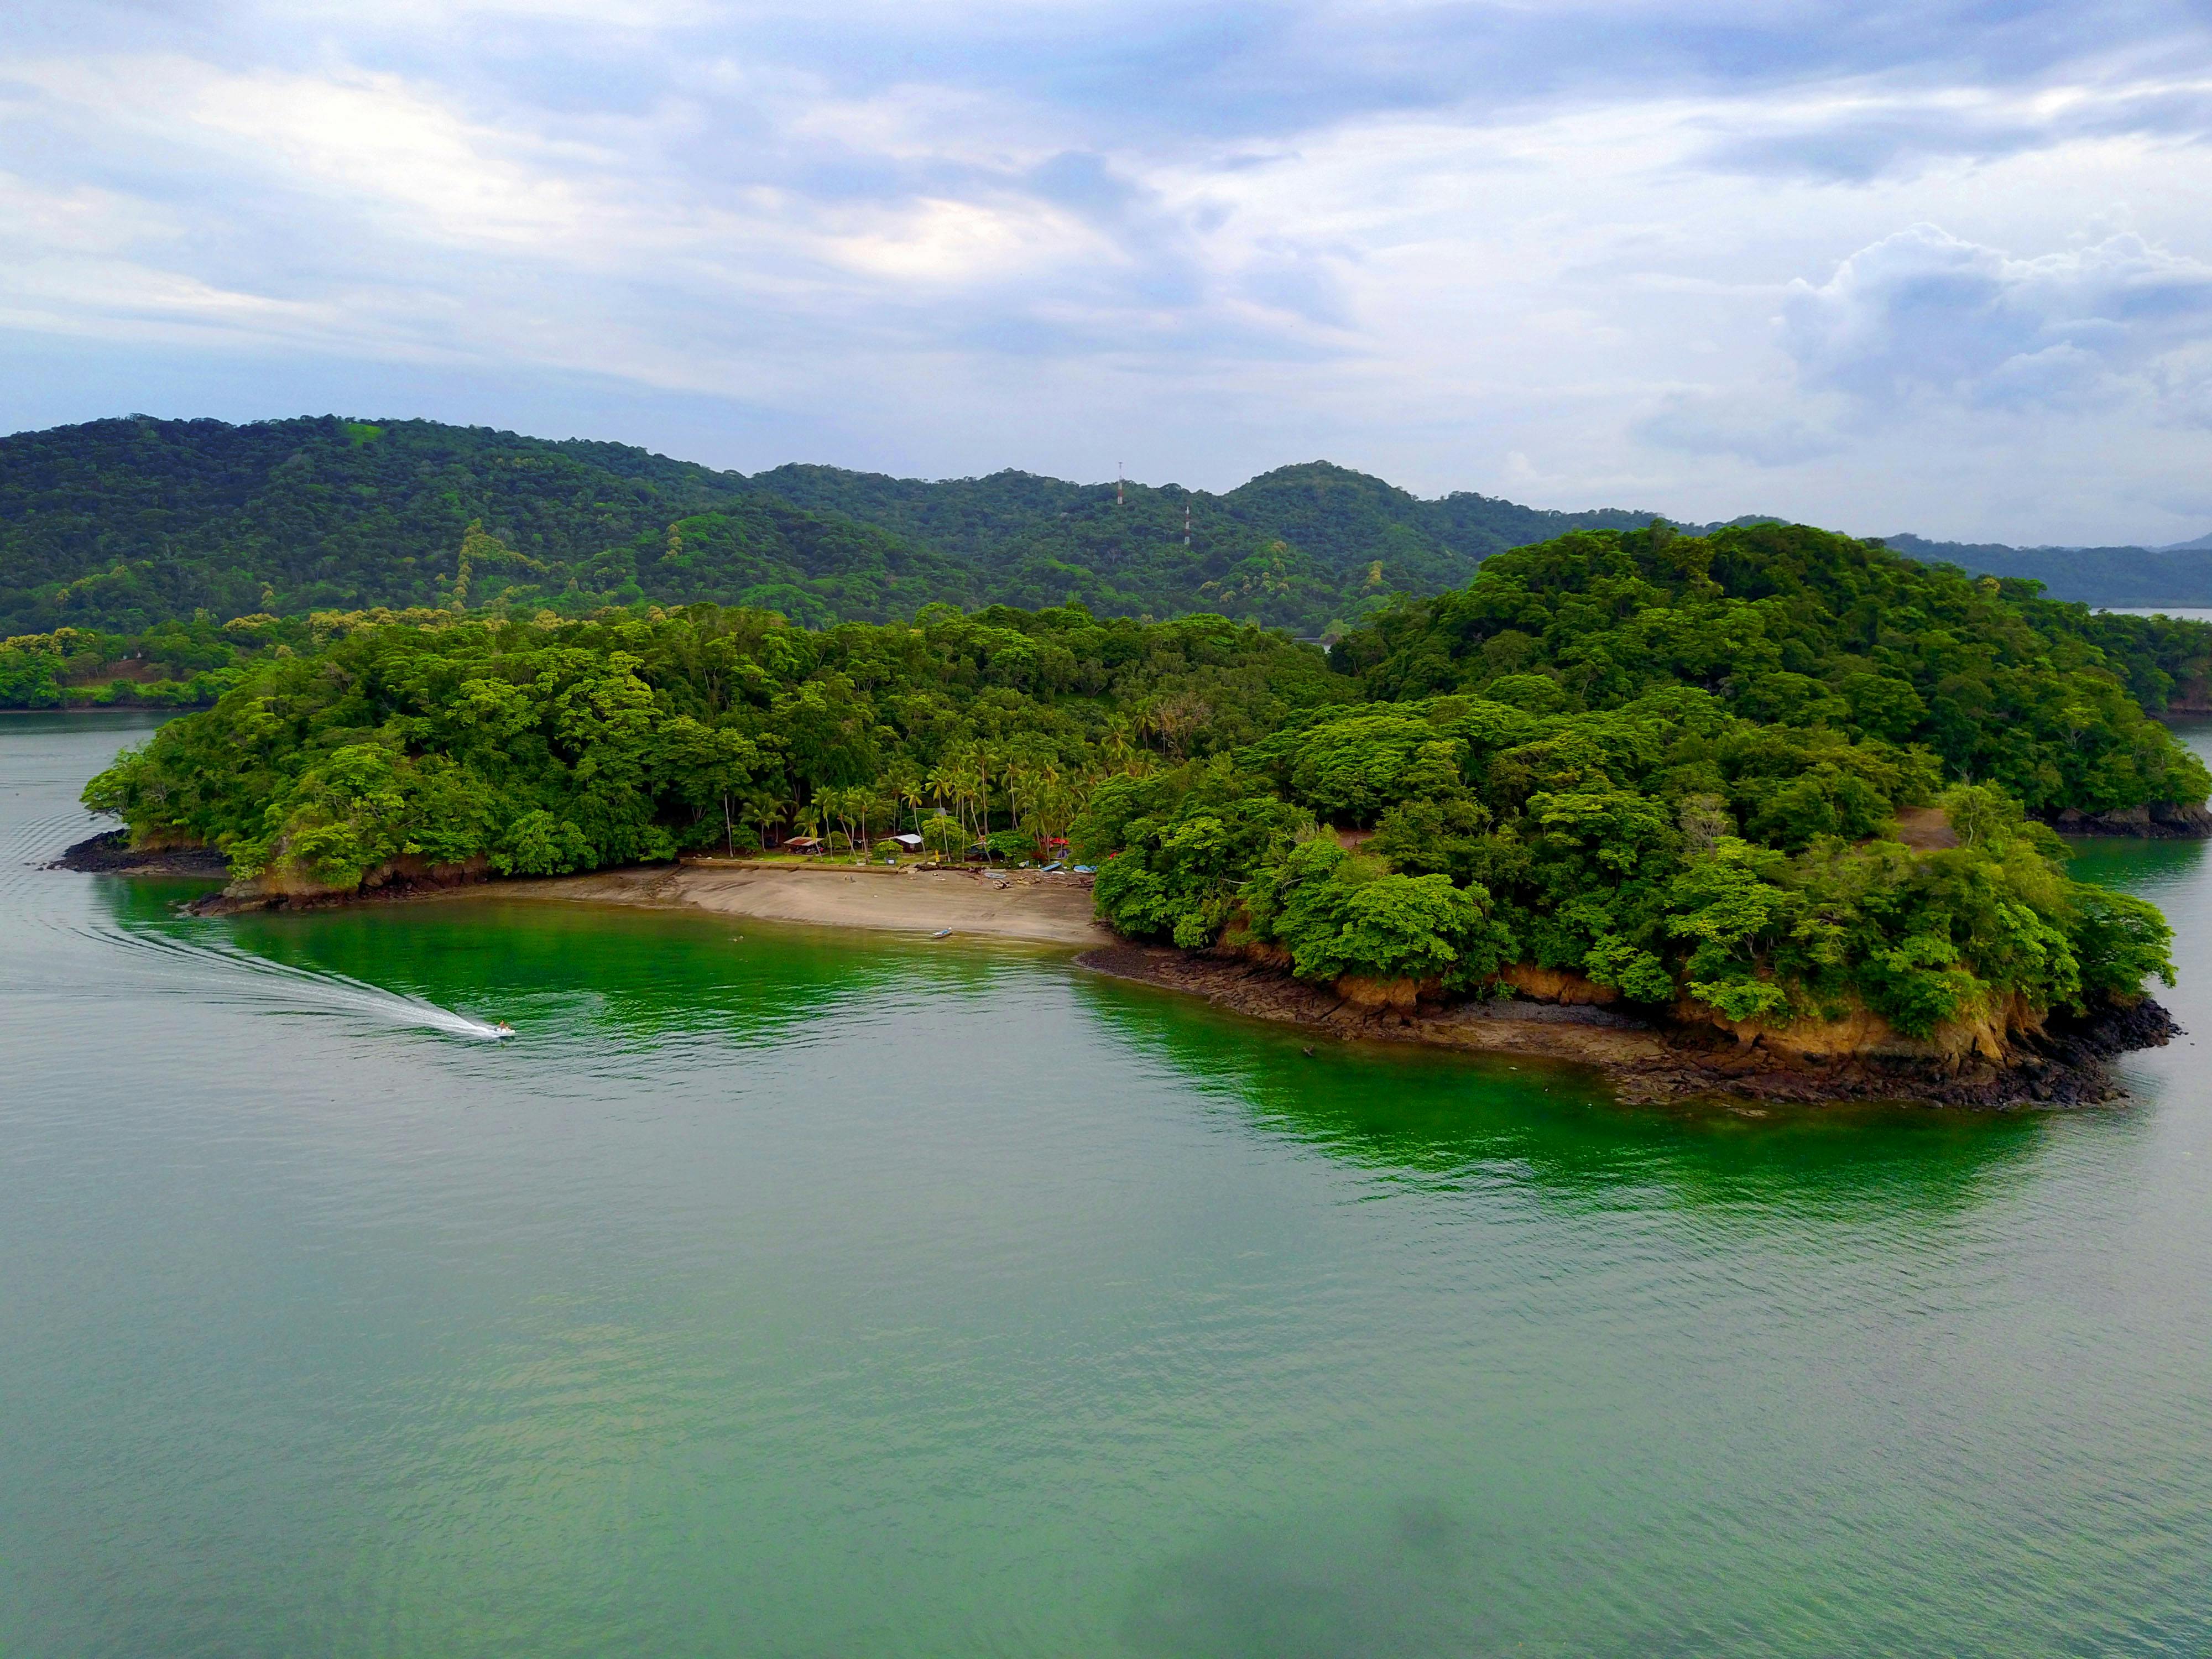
(121, 524)
(2177, 574)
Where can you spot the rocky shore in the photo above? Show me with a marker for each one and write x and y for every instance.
(112, 855)
(2157, 822)
(2066, 1064)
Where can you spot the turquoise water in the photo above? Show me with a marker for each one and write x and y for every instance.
(784, 1292)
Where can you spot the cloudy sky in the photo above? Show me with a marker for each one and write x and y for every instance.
(1942, 266)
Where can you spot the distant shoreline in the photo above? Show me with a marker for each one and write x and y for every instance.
(112, 708)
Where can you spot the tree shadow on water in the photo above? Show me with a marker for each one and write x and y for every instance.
(1439, 1120)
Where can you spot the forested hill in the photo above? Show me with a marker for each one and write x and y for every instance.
(1312, 540)
(120, 525)
(2177, 575)
(117, 526)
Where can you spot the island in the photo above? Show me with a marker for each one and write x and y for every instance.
(1770, 809)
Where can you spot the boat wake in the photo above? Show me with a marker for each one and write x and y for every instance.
(223, 973)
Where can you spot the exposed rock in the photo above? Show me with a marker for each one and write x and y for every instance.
(1401, 995)
(2008, 1061)
(112, 853)
(2161, 820)
(1558, 985)
(286, 887)
(2183, 820)
(1859, 1033)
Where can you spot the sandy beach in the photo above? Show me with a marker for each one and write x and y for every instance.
(1010, 904)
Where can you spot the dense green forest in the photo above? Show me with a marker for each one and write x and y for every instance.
(117, 525)
(121, 525)
(116, 528)
(1794, 627)
(1672, 764)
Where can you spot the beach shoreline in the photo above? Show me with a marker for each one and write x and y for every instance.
(1038, 906)
(1016, 904)
(1642, 1060)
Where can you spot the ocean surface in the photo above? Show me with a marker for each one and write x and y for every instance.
(779, 1292)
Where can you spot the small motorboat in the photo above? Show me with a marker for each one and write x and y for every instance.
(501, 1031)
(942, 932)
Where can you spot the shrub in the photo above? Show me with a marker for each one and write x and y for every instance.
(1340, 914)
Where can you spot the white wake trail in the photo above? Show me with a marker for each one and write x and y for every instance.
(238, 976)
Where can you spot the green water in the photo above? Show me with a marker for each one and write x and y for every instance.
(792, 1293)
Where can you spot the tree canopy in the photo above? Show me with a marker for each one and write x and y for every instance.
(1799, 627)
(117, 525)
(1671, 765)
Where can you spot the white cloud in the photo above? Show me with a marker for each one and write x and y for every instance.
(1856, 133)
(946, 241)
(76, 219)
(1426, 240)
(1923, 312)
(370, 142)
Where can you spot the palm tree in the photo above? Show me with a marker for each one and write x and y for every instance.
(1118, 749)
(959, 780)
(910, 787)
(979, 779)
(943, 783)
(760, 808)
(1176, 718)
(774, 809)
(1147, 719)
(1052, 796)
(840, 804)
